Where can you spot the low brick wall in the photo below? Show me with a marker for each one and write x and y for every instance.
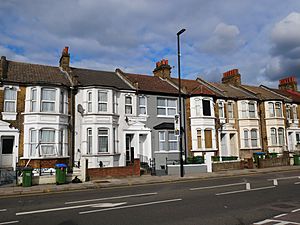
(273, 162)
(132, 170)
(221, 166)
(42, 163)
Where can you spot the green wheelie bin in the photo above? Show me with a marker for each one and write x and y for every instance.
(60, 173)
(27, 177)
(297, 160)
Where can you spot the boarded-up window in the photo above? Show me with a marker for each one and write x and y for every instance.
(199, 144)
(206, 108)
(208, 138)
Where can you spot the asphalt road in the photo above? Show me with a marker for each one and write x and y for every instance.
(255, 199)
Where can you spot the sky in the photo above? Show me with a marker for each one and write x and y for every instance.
(261, 38)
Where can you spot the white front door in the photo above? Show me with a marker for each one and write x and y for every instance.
(6, 156)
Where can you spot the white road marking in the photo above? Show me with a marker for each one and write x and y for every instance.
(3, 210)
(10, 222)
(284, 214)
(108, 205)
(110, 198)
(240, 191)
(217, 186)
(278, 222)
(297, 183)
(295, 210)
(59, 209)
(285, 178)
(132, 206)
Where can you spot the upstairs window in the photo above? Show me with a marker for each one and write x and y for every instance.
(33, 100)
(221, 109)
(288, 112)
(295, 113)
(166, 106)
(271, 109)
(10, 99)
(128, 105)
(62, 102)
(206, 107)
(251, 106)
(142, 105)
(197, 107)
(230, 110)
(102, 101)
(278, 109)
(48, 100)
(244, 110)
(89, 101)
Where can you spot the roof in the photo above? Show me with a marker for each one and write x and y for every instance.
(88, 77)
(264, 93)
(231, 91)
(152, 84)
(293, 95)
(27, 73)
(193, 87)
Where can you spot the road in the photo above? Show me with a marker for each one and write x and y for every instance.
(272, 198)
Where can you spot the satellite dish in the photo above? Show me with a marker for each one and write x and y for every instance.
(80, 109)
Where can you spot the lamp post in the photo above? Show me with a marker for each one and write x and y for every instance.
(179, 99)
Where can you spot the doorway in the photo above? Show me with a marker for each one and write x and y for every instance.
(129, 149)
(6, 157)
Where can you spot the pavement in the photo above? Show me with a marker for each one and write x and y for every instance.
(6, 191)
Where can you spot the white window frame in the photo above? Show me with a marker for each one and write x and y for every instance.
(254, 138)
(252, 113)
(143, 106)
(33, 100)
(197, 106)
(221, 109)
(230, 111)
(89, 141)
(33, 143)
(210, 108)
(102, 135)
(47, 143)
(102, 102)
(246, 138)
(271, 109)
(295, 114)
(244, 109)
(89, 96)
(128, 106)
(52, 102)
(273, 135)
(7, 101)
(288, 112)
(162, 140)
(278, 109)
(166, 106)
(172, 141)
(280, 136)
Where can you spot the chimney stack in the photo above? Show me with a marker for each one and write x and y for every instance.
(3, 67)
(289, 83)
(232, 77)
(163, 69)
(64, 61)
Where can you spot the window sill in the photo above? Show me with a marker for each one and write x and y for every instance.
(204, 150)
(9, 115)
(165, 116)
(100, 154)
(250, 148)
(164, 151)
(46, 157)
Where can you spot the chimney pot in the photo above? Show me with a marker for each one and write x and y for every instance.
(163, 69)
(288, 83)
(231, 77)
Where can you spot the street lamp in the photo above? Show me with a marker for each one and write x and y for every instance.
(179, 99)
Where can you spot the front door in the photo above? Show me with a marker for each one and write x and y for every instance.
(223, 145)
(6, 157)
(129, 149)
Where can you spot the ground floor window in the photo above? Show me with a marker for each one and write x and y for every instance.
(167, 141)
(102, 140)
(208, 138)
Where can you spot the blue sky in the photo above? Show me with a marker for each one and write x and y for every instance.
(259, 37)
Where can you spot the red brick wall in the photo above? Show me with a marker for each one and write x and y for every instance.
(273, 162)
(132, 170)
(42, 163)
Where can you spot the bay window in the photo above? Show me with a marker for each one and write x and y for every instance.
(278, 109)
(230, 110)
(33, 100)
(102, 140)
(47, 141)
(102, 101)
(89, 141)
(197, 107)
(48, 100)
(280, 136)
(206, 107)
(273, 136)
(271, 109)
(33, 142)
(199, 139)
(246, 138)
(89, 101)
(244, 110)
(251, 106)
(254, 139)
